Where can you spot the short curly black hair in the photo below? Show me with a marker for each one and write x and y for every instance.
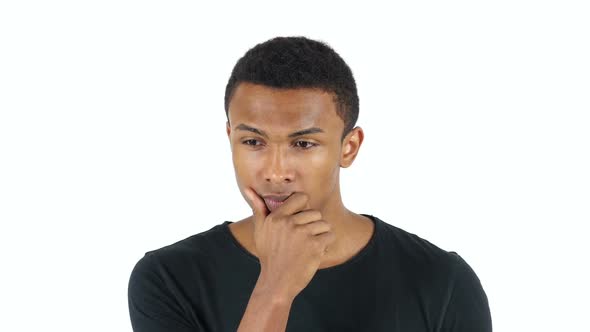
(299, 62)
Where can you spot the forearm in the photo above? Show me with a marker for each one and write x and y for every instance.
(267, 311)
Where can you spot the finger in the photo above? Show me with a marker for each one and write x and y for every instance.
(256, 204)
(317, 227)
(298, 201)
(305, 217)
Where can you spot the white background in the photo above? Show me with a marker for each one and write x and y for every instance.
(113, 143)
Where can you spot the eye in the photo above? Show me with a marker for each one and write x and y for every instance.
(306, 143)
(303, 145)
(245, 142)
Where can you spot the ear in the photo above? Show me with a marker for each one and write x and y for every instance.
(351, 146)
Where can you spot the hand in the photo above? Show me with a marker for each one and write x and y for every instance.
(290, 242)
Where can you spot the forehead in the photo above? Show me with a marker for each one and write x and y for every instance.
(283, 109)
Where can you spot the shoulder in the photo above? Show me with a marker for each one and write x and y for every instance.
(419, 261)
(197, 249)
(413, 249)
(442, 279)
(162, 278)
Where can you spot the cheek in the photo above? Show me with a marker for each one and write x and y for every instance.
(321, 172)
(243, 164)
(248, 166)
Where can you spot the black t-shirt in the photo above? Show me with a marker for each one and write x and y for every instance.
(397, 282)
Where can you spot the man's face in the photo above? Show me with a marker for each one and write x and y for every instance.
(276, 161)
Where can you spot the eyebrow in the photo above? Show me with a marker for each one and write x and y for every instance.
(307, 131)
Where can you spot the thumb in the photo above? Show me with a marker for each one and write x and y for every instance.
(256, 204)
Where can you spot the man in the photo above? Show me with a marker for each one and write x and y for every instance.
(302, 261)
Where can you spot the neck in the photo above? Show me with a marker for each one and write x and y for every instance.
(342, 221)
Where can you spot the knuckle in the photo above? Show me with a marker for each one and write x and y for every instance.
(316, 244)
(317, 215)
(292, 219)
(273, 217)
(300, 230)
(324, 225)
(331, 237)
(303, 196)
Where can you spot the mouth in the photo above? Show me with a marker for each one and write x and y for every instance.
(274, 201)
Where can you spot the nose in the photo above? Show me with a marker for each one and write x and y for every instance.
(277, 168)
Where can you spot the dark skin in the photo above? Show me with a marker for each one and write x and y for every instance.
(308, 163)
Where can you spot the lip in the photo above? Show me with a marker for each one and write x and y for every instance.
(276, 197)
(274, 201)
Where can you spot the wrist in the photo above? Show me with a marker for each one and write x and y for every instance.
(272, 293)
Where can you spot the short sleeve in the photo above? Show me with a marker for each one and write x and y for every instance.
(152, 308)
(468, 308)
